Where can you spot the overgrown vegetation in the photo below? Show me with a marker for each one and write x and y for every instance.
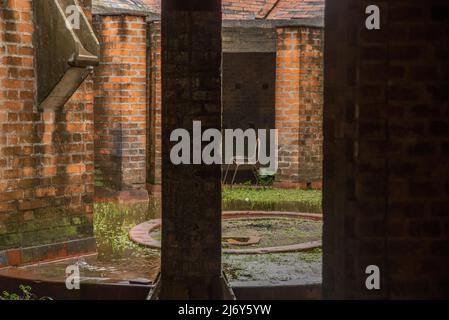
(275, 267)
(272, 195)
(246, 198)
(25, 294)
(112, 223)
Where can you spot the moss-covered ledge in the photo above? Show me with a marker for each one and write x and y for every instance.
(48, 252)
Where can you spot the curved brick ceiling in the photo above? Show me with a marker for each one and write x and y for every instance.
(232, 9)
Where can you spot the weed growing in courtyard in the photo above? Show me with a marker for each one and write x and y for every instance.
(25, 294)
(112, 223)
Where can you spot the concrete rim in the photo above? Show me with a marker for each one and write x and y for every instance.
(140, 234)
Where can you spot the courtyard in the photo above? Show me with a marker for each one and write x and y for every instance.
(120, 260)
(93, 205)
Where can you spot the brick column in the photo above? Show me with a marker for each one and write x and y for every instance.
(191, 194)
(298, 106)
(386, 149)
(120, 108)
(154, 145)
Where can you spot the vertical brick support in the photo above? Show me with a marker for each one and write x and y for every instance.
(46, 158)
(298, 106)
(417, 129)
(3, 75)
(191, 194)
(386, 150)
(154, 131)
(342, 248)
(120, 106)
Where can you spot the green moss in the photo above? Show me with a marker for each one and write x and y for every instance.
(10, 240)
(48, 226)
(76, 221)
(274, 267)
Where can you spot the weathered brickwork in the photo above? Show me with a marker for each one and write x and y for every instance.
(299, 89)
(46, 157)
(191, 195)
(386, 150)
(238, 39)
(120, 103)
(259, 87)
(155, 100)
(301, 158)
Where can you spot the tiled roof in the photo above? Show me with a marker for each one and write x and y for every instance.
(242, 9)
(297, 9)
(99, 6)
(232, 9)
(153, 5)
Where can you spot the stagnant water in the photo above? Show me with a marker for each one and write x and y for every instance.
(119, 259)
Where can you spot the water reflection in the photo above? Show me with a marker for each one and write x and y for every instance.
(118, 259)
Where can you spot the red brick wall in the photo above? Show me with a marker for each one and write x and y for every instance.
(154, 110)
(120, 103)
(386, 184)
(299, 78)
(46, 158)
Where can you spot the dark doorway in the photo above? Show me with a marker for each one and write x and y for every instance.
(248, 94)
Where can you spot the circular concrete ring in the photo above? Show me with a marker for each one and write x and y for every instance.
(140, 234)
